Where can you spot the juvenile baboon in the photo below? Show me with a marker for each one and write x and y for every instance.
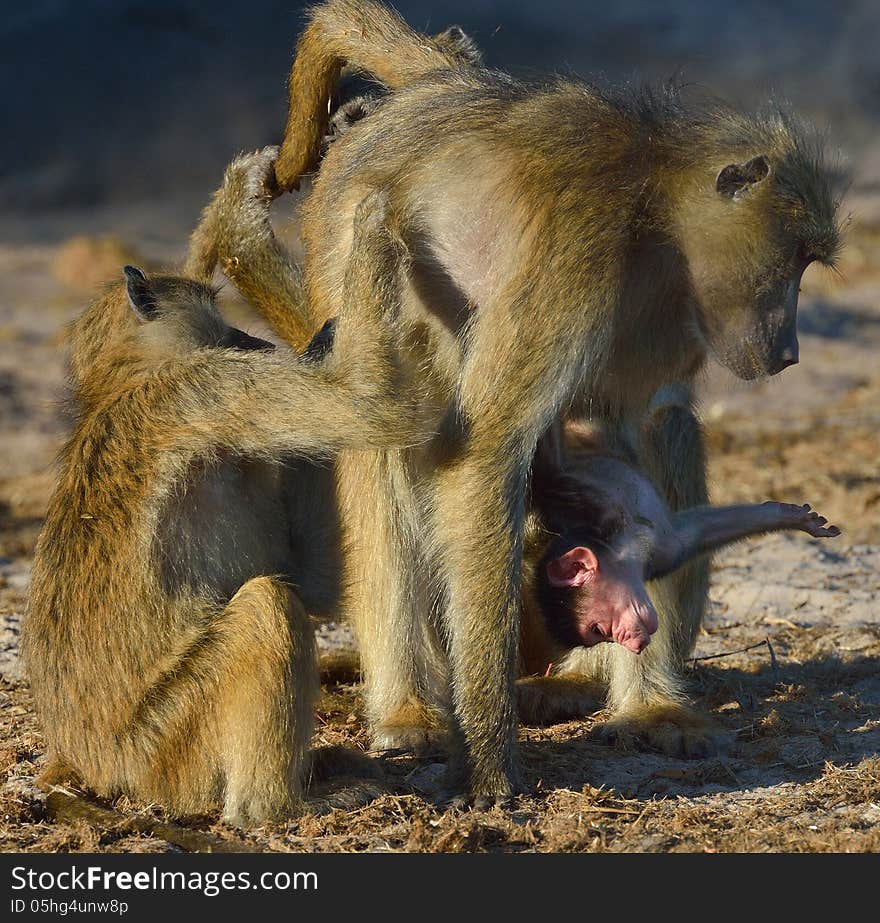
(597, 532)
(167, 640)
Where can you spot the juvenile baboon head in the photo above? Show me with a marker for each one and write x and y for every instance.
(182, 314)
(168, 315)
(750, 228)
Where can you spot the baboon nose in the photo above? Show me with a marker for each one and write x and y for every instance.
(788, 356)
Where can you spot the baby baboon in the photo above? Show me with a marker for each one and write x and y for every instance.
(168, 643)
(572, 248)
(598, 532)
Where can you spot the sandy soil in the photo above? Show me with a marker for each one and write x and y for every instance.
(800, 708)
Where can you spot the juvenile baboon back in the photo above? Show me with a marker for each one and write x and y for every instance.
(167, 641)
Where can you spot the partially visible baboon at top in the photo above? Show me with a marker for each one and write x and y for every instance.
(573, 249)
(167, 640)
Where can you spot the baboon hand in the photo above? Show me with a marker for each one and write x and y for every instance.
(807, 520)
(254, 175)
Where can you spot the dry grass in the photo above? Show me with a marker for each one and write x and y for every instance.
(799, 770)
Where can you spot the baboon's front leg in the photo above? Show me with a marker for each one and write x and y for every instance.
(480, 511)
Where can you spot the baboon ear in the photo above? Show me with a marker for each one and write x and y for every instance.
(574, 568)
(140, 295)
(736, 179)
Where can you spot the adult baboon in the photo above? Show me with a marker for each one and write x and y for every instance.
(600, 464)
(167, 639)
(572, 248)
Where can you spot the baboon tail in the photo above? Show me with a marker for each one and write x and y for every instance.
(673, 449)
(360, 33)
(674, 457)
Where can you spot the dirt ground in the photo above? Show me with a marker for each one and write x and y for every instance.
(788, 664)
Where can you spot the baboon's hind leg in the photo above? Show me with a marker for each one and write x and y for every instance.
(232, 716)
(265, 715)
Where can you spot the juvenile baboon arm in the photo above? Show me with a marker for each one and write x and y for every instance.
(706, 529)
(368, 36)
(235, 232)
(260, 401)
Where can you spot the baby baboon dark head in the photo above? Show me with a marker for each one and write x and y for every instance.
(181, 314)
(590, 584)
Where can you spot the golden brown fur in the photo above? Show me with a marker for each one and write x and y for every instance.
(573, 248)
(167, 640)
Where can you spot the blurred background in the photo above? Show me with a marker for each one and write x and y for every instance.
(140, 103)
(120, 115)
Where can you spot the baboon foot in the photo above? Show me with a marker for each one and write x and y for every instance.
(253, 810)
(806, 519)
(545, 700)
(466, 802)
(417, 740)
(328, 763)
(413, 727)
(673, 729)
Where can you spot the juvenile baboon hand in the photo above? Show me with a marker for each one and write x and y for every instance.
(243, 208)
(255, 173)
(806, 519)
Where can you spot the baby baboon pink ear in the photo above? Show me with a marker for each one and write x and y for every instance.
(736, 179)
(575, 568)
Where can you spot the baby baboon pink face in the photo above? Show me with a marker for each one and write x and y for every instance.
(608, 599)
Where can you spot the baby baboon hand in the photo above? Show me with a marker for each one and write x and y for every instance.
(807, 520)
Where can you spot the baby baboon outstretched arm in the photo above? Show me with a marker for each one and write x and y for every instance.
(703, 530)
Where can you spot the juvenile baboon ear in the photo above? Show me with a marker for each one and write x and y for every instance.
(140, 296)
(736, 179)
(575, 568)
